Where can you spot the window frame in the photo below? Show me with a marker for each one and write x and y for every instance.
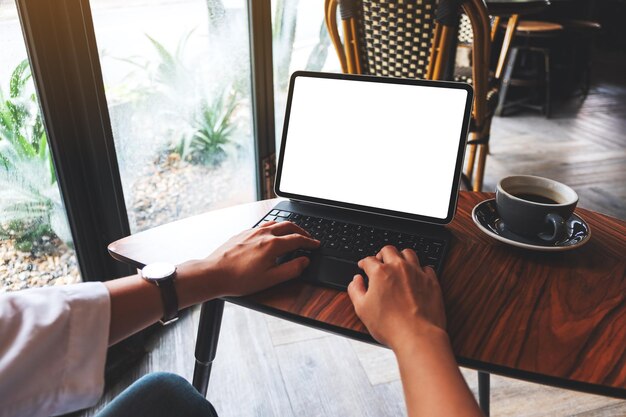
(62, 51)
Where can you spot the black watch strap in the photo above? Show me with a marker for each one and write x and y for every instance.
(163, 275)
(170, 301)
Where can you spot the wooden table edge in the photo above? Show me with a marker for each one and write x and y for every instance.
(477, 365)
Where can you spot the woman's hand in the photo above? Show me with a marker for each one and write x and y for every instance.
(402, 299)
(243, 265)
(246, 263)
(403, 309)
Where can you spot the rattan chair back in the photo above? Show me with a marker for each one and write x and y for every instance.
(395, 38)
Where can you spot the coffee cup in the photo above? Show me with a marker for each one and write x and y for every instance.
(535, 206)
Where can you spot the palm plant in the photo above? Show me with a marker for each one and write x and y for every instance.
(22, 133)
(30, 202)
(174, 94)
(213, 127)
(211, 122)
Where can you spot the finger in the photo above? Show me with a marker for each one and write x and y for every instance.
(410, 256)
(288, 270)
(286, 228)
(288, 243)
(356, 291)
(429, 269)
(370, 260)
(369, 265)
(389, 253)
(265, 224)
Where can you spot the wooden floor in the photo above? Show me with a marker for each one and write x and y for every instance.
(266, 367)
(583, 145)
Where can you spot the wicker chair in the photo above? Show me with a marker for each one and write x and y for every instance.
(413, 39)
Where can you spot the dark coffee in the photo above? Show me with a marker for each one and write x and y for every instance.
(535, 198)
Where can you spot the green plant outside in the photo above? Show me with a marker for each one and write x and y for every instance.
(212, 121)
(213, 128)
(30, 202)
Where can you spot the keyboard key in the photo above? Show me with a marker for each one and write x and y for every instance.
(332, 245)
(270, 218)
(273, 212)
(283, 214)
(345, 239)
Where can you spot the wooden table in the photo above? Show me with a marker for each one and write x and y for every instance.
(553, 318)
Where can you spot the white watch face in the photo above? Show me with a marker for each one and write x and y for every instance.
(158, 271)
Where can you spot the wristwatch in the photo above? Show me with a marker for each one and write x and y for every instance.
(162, 275)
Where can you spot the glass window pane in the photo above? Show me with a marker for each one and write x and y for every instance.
(177, 81)
(35, 241)
(300, 42)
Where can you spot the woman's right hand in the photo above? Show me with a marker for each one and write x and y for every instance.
(403, 298)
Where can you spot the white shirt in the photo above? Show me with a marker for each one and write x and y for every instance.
(53, 344)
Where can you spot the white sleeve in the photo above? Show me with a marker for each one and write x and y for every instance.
(53, 344)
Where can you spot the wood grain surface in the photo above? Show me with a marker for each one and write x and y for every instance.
(553, 318)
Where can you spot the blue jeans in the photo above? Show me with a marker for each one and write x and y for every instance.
(159, 394)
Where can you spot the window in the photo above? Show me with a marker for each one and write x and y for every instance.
(177, 82)
(36, 245)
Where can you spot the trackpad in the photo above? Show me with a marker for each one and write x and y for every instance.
(334, 272)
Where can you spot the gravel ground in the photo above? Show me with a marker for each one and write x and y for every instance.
(173, 189)
(56, 264)
(168, 190)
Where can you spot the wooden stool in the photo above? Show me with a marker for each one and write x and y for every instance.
(534, 37)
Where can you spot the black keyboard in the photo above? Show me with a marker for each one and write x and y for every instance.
(354, 242)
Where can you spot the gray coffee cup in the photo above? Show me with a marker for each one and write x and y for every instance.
(535, 206)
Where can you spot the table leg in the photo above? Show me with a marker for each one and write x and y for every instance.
(483, 392)
(206, 343)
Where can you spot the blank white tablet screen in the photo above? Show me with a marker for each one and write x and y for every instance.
(389, 146)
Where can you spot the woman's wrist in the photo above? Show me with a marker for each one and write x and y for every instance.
(196, 283)
(420, 333)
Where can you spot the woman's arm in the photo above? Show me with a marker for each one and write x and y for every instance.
(243, 265)
(403, 309)
(53, 340)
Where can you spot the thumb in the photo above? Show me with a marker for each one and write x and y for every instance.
(356, 290)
